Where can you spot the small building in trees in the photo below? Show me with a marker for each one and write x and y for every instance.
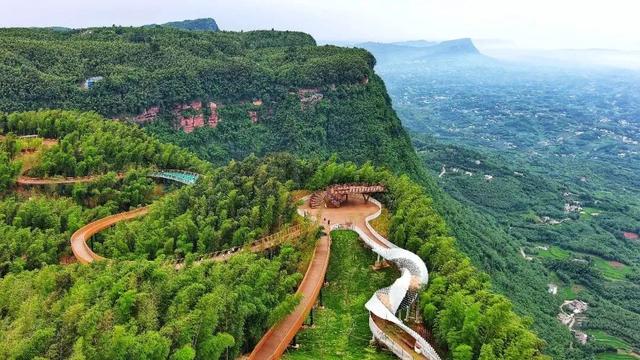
(90, 82)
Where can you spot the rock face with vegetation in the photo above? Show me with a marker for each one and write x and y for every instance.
(273, 91)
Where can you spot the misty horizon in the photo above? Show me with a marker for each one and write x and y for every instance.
(530, 25)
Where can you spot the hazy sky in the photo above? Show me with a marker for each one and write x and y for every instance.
(528, 23)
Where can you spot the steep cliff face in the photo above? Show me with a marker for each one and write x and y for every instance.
(354, 122)
(225, 95)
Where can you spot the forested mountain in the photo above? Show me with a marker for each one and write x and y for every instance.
(224, 96)
(259, 91)
(205, 24)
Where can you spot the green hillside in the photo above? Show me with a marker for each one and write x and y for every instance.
(144, 308)
(313, 101)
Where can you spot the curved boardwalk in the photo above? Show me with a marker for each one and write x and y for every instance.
(355, 213)
(79, 246)
(275, 342)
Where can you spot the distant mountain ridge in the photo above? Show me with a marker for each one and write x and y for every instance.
(420, 50)
(416, 43)
(454, 47)
(204, 24)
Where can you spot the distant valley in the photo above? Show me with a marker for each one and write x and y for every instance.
(543, 159)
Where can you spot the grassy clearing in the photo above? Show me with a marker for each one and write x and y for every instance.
(554, 252)
(611, 271)
(589, 212)
(624, 349)
(569, 292)
(382, 222)
(615, 356)
(341, 329)
(600, 337)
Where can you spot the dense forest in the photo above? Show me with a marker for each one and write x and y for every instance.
(146, 309)
(88, 145)
(229, 207)
(138, 309)
(314, 100)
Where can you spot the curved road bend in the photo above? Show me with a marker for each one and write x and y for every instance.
(79, 246)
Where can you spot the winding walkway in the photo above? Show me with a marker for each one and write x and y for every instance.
(355, 213)
(275, 342)
(79, 246)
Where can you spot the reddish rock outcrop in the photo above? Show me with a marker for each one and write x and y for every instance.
(148, 115)
(189, 116)
(253, 115)
(196, 119)
(631, 236)
(189, 122)
(213, 117)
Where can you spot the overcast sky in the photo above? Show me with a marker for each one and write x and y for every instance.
(528, 23)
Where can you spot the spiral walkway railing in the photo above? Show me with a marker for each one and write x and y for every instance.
(387, 302)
